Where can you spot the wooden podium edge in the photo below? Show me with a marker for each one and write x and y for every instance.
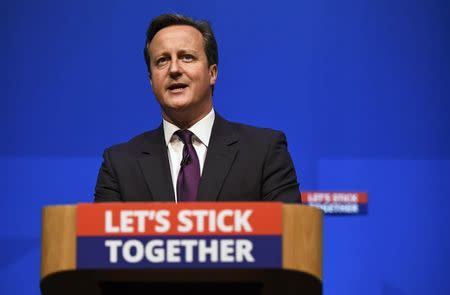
(302, 239)
(58, 252)
(302, 229)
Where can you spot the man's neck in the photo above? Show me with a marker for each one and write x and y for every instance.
(202, 129)
(184, 119)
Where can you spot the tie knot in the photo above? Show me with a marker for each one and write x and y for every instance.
(185, 136)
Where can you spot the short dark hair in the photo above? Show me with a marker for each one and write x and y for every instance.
(166, 20)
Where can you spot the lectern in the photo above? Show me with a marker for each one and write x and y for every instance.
(267, 261)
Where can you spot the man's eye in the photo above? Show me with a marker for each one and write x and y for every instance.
(187, 57)
(161, 61)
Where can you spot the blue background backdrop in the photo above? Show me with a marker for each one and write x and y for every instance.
(361, 89)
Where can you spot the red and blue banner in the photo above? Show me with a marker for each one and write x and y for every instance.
(188, 235)
(337, 203)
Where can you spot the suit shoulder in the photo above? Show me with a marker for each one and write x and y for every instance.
(249, 131)
(136, 143)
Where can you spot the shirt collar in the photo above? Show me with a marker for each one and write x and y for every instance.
(202, 129)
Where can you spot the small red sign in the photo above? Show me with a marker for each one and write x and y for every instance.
(332, 203)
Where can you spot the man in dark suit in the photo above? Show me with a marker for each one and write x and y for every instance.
(195, 155)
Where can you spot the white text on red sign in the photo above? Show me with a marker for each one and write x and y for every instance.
(198, 220)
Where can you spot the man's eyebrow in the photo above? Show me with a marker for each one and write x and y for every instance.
(187, 51)
(166, 53)
(159, 54)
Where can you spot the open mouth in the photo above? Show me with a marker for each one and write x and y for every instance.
(177, 87)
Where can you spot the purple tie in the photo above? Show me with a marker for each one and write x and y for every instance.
(189, 175)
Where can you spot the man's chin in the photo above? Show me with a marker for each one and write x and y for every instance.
(177, 107)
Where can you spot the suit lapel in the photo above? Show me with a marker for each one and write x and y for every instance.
(222, 151)
(154, 163)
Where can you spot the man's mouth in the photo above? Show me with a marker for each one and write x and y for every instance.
(177, 87)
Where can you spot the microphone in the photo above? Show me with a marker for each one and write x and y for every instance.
(186, 159)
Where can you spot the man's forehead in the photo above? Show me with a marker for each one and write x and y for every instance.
(175, 36)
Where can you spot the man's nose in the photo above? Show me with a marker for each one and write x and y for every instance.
(175, 70)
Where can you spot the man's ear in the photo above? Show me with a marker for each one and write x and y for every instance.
(213, 72)
(150, 79)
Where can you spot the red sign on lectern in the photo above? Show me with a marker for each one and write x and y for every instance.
(183, 235)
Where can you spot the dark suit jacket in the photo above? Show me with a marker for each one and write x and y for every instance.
(243, 163)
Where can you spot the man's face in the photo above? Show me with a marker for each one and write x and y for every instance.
(180, 76)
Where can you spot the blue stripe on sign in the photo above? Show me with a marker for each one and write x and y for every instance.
(362, 208)
(179, 252)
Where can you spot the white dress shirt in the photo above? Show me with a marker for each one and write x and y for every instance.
(202, 133)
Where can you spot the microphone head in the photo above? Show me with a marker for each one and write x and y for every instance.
(186, 159)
